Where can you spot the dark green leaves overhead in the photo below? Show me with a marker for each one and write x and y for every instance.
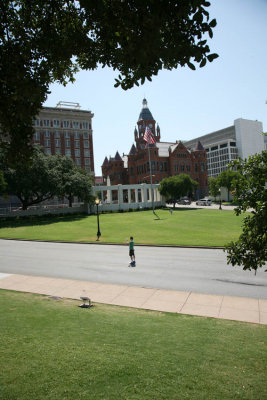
(49, 40)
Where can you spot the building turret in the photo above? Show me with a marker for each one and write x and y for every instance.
(118, 157)
(199, 147)
(105, 162)
(145, 119)
(133, 150)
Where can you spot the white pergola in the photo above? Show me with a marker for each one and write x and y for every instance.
(124, 197)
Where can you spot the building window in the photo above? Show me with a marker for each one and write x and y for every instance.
(196, 167)
(86, 153)
(56, 123)
(58, 151)
(182, 167)
(66, 124)
(85, 125)
(86, 144)
(36, 122)
(88, 169)
(202, 167)
(57, 143)
(36, 135)
(77, 144)
(77, 153)
(233, 144)
(165, 166)
(57, 134)
(67, 143)
(86, 161)
(214, 148)
(86, 135)
(76, 135)
(78, 161)
(75, 125)
(67, 152)
(47, 143)
(46, 134)
(188, 168)
(66, 134)
(46, 122)
(47, 151)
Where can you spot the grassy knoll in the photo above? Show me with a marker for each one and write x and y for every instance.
(186, 227)
(55, 350)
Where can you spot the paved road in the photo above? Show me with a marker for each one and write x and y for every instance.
(196, 270)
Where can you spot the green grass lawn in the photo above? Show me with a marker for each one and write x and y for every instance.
(54, 350)
(197, 227)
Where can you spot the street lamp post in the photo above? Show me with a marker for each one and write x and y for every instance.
(97, 201)
(220, 207)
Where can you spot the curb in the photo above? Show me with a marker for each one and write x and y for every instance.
(117, 244)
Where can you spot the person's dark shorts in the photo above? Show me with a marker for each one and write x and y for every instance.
(131, 253)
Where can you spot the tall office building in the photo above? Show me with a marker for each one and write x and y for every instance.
(66, 130)
(242, 139)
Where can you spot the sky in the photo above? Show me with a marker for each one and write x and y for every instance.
(185, 103)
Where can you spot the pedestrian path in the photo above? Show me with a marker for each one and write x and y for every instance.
(224, 307)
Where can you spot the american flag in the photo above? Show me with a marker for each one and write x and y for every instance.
(148, 136)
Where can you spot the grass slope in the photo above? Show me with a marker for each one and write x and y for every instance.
(55, 350)
(186, 227)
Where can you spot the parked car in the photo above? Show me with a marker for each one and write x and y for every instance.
(204, 202)
(184, 201)
(170, 201)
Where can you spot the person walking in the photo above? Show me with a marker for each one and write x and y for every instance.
(131, 251)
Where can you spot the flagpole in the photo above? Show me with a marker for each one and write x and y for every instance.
(152, 191)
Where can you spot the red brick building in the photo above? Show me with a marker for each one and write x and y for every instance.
(66, 130)
(167, 159)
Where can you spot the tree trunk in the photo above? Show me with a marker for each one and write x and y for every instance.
(70, 198)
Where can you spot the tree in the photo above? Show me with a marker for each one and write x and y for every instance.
(3, 184)
(214, 187)
(177, 186)
(48, 176)
(34, 182)
(226, 179)
(250, 250)
(48, 40)
(72, 181)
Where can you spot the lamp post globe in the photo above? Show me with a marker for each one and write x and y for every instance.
(97, 202)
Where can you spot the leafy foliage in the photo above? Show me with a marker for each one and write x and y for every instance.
(3, 184)
(45, 177)
(176, 186)
(72, 181)
(250, 250)
(226, 179)
(214, 187)
(34, 182)
(48, 40)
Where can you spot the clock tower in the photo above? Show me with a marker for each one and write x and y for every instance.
(145, 119)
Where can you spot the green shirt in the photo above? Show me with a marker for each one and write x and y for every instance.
(131, 244)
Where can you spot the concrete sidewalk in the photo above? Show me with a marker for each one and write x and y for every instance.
(225, 307)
